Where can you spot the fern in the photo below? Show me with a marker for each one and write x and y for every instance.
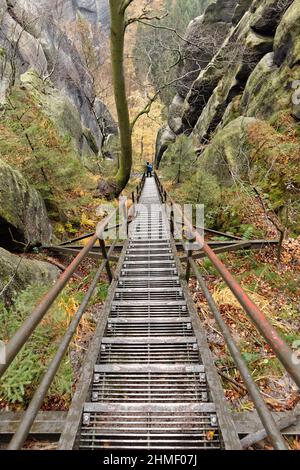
(21, 378)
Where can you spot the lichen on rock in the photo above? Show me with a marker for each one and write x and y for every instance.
(23, 216)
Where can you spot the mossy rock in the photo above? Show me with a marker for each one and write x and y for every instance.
(56, 105)
(226, 156)
(17, 273)
(23, 215)
(287, 38)
(270, 89)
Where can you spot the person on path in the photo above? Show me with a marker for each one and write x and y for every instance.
(149, 170)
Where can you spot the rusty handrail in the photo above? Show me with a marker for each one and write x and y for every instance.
(16, 343)
(21, 336)
(263, 411)
(42, 390)
(281, 349)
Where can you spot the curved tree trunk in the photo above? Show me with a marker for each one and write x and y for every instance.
(118, 25)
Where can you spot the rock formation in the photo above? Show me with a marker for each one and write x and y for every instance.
(257, 42)
(203, 39)
(246, 101)
(23, 216)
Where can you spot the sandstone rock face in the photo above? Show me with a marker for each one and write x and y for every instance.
(240, 10)
(164, 138)
(23, 215)
(38, 35)
(55, 104)
(17, 273)
(220, 12)
(253, 72)
(229, 70)
(175, 114)
(203, 39)
(274, 84)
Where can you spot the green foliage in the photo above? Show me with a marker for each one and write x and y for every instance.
(191, 186)
(247, 231)
(23, 375)
(250, 357)
(102, 292)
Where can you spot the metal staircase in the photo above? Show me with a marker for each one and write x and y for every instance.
(149, 387)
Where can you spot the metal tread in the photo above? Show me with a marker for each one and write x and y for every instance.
(151, 368)
(148, 303)
(163, 320)
(150, 408)
(146, 340)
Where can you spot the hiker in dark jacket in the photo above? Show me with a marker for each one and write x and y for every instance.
(149, 170)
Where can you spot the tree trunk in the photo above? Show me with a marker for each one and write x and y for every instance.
(117, 56)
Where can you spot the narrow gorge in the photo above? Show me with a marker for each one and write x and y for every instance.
(124, 322)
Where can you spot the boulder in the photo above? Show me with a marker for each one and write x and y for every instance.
(227, 73)
(165, 137)
(23, 216)
(17, 273)
(287, 38)
(175, 113)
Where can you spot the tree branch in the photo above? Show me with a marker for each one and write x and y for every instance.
(144, 17)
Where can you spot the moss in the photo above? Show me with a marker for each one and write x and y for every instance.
(227, 154)
(28, 272)
(269, 89)
(244, 151)
(35, 147)
(287, 38)
(21, 379)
